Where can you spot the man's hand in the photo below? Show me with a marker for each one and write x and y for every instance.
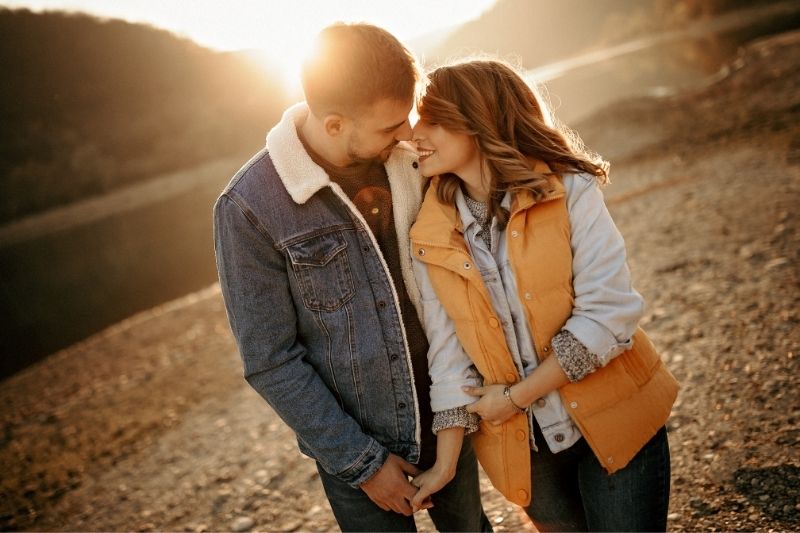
(389, 488)
(492, 406)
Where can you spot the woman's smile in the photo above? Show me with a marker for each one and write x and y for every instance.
(424, 153)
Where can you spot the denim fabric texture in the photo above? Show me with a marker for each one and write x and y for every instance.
(457, 507)
(573, 492)
(607, 308)
(313, 307)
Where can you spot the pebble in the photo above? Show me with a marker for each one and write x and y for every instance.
(243, 523)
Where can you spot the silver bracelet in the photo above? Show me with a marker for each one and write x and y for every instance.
(507, 394)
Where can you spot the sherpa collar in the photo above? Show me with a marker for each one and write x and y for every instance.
(298, 172)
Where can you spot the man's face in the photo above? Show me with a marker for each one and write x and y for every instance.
(378, 129)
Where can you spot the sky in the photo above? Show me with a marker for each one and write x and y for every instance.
(282, 29)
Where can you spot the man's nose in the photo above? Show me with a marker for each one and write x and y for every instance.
(404, 132)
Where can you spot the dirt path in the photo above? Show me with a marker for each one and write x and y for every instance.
(149, 426)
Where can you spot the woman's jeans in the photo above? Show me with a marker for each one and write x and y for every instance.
(457, 507)
(573, 492)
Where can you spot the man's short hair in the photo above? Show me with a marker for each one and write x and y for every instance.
(354, 66)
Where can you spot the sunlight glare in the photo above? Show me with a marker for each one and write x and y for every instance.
(277, 34)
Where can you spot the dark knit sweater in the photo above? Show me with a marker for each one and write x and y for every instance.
(367, 186)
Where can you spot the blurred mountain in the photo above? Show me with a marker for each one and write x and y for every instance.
(88, 105)
(536, 32)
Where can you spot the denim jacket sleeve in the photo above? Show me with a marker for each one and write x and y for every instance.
(607, 309)
(449, 366)
(260, 308)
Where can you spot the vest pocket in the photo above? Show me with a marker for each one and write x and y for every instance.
(321, 268)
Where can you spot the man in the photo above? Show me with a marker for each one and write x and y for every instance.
(311, 237)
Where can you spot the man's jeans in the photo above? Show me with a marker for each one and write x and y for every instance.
(572, 491)
(457, 507)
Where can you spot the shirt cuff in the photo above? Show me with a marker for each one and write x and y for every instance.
(575, 359)
(457, 417)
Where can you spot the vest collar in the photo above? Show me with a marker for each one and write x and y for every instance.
(440, 224)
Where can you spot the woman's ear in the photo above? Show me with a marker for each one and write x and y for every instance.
(334, 124)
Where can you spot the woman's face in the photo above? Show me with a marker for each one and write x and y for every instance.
(442, 151)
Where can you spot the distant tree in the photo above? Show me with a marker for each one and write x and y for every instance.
(88, 105)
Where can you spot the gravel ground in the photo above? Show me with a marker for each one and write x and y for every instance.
(148, 425)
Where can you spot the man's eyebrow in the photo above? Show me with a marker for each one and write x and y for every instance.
(390, 128)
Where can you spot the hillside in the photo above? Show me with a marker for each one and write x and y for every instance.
(537, 32)
(89, 105)
(148, 425)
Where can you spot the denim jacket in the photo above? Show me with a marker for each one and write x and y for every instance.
(606, 313)
(313, 307)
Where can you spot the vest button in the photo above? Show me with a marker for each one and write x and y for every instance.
(610, 460)
(546, 348)
(574, 405)
(522, 494)
(467, 266)
(381, 304)
(520, 435)
(394, 357)
(401, 405)
(421, 251)
(528, 296)
(493, 322)
(515, 233)
(511, 378)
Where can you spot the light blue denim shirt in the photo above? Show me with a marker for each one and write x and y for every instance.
(606, 313)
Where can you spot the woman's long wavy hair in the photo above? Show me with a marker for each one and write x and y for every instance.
(488, 100)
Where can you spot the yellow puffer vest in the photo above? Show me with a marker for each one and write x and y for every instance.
(617, 408)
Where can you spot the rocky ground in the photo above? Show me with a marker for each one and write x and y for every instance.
(148, 425)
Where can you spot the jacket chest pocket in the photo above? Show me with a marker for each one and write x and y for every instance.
(322, 271)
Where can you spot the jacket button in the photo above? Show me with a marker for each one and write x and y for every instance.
(574, 405)
(511, 378)
(415, 164)
(515, 233)
(381, 304)
(528, 296)
(522, 494)
(610, 460)
(520, 435)
(493, 322)
(541, 402)
(546, 348)
(394, 357)
(401, 405)
(467, 266)
(421, 251)
(559, 437)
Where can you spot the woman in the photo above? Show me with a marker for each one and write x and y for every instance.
(530, 313)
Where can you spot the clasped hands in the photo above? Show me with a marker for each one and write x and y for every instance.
(390, 488)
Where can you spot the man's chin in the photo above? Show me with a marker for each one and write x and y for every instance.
(384, 155)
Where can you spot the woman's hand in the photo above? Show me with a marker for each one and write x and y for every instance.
(429, 482)
(492, 406)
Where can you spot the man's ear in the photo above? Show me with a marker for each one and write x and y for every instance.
(334, 124)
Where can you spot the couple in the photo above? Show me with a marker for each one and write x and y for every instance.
(384, 327)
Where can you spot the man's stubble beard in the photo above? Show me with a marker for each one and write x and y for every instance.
(381, 156)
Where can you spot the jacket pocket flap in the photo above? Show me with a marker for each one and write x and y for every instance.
(317, 251)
